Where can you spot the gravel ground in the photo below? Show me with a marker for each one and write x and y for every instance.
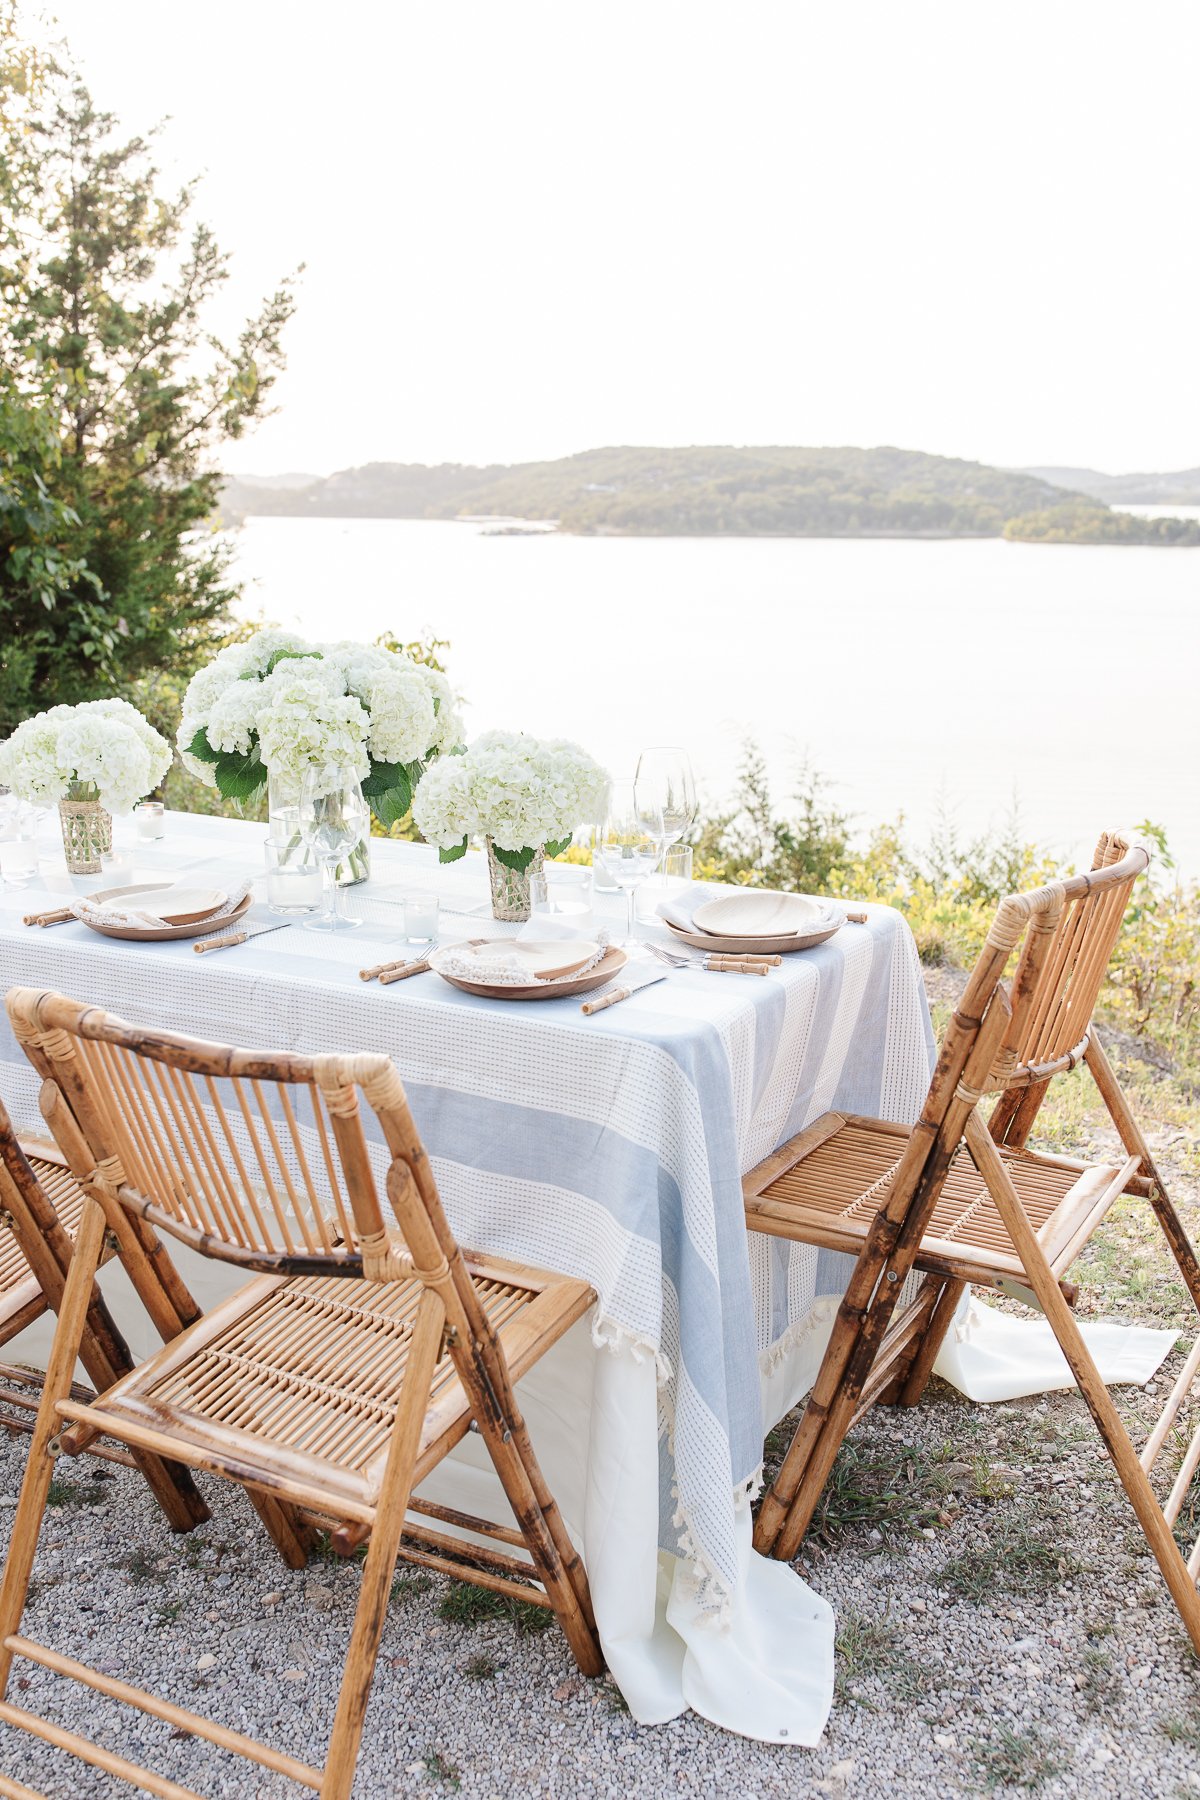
(1001, 1625)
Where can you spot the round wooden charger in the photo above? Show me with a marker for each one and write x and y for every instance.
(762, 946)
(609, 965)
(151, 934)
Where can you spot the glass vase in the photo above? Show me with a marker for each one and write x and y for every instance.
(510, 887)
(86, 834)
(283, 830)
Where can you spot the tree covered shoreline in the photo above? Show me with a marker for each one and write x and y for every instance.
(720, 491)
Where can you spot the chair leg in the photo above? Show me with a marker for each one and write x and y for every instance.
(1108, 1421)
(384, 1547)
(921, 1367)
(291, 1535)
(1135, 1143)
(39, 1469)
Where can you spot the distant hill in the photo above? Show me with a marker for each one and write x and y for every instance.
(1180, 489)
(722, 491)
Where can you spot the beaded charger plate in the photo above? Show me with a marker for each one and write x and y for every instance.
(157, 933)
(609, 965)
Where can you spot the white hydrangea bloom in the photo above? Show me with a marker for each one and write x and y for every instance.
(233, 717)
(306, 724)
(448, 729)
(403, 722)
(103, 743)
(521, 791)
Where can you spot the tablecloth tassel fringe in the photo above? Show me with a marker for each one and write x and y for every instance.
(697, 1579)
(819, 1313)
(608, 1335)
(747, 1492)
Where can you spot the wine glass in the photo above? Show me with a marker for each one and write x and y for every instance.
(333, 818)
(629, 845)
(663, 785)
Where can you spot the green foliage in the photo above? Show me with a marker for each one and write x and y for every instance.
(466, 1604)
(948, 892)
(1090, 522)
(114, 396)
(712, 490)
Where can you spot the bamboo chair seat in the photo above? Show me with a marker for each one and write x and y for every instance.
(293, 1383)
(826, 1186)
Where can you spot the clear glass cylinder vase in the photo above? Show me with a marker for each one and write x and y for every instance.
(283, 829)
(510, 887)
(86, 834)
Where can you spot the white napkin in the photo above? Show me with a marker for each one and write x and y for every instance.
(678, 908)
(107, 912)
(496, 963)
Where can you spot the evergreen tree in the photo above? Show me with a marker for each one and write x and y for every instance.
(113, 400)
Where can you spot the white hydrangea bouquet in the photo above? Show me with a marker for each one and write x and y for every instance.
(93, 759)
(523, 795)
(271, 707)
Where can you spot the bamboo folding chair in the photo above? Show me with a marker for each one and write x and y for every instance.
(966, 1201)
(40, 1208)
(329, 1386)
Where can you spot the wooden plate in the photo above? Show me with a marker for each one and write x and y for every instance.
(609, 965)
(758, 912)
(153, 934)
(763, 946)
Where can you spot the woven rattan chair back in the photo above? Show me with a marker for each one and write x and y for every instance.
(255, 1160)
(1059, 977)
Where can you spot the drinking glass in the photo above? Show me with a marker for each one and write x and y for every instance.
(18, 840)
(333, 817)
(629, 845)
(663, 786)
(293, 886)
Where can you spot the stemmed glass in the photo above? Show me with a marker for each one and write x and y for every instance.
(663, 785)
(333, 818)
(629, 845)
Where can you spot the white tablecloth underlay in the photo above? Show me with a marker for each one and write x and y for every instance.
(610, 1147)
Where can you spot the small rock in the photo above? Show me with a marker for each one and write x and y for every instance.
(298, 1675)
(845, 1770)
(319, 1597)
(272, 1599)
(918, 1606)
(8, 1501)
(207, 1661)
(945, 1740)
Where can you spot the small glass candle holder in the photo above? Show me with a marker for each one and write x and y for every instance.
(117, 867)
(149, 816)
(293, 885)
(421, 918)
(18, 859)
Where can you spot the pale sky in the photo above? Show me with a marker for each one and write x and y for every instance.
(537, 226)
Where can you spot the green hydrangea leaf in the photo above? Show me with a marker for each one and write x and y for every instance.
(240, 777)
(202, 750)
(517, 860)
(453, 853)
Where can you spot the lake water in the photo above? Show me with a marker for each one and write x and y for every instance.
(919, 676)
